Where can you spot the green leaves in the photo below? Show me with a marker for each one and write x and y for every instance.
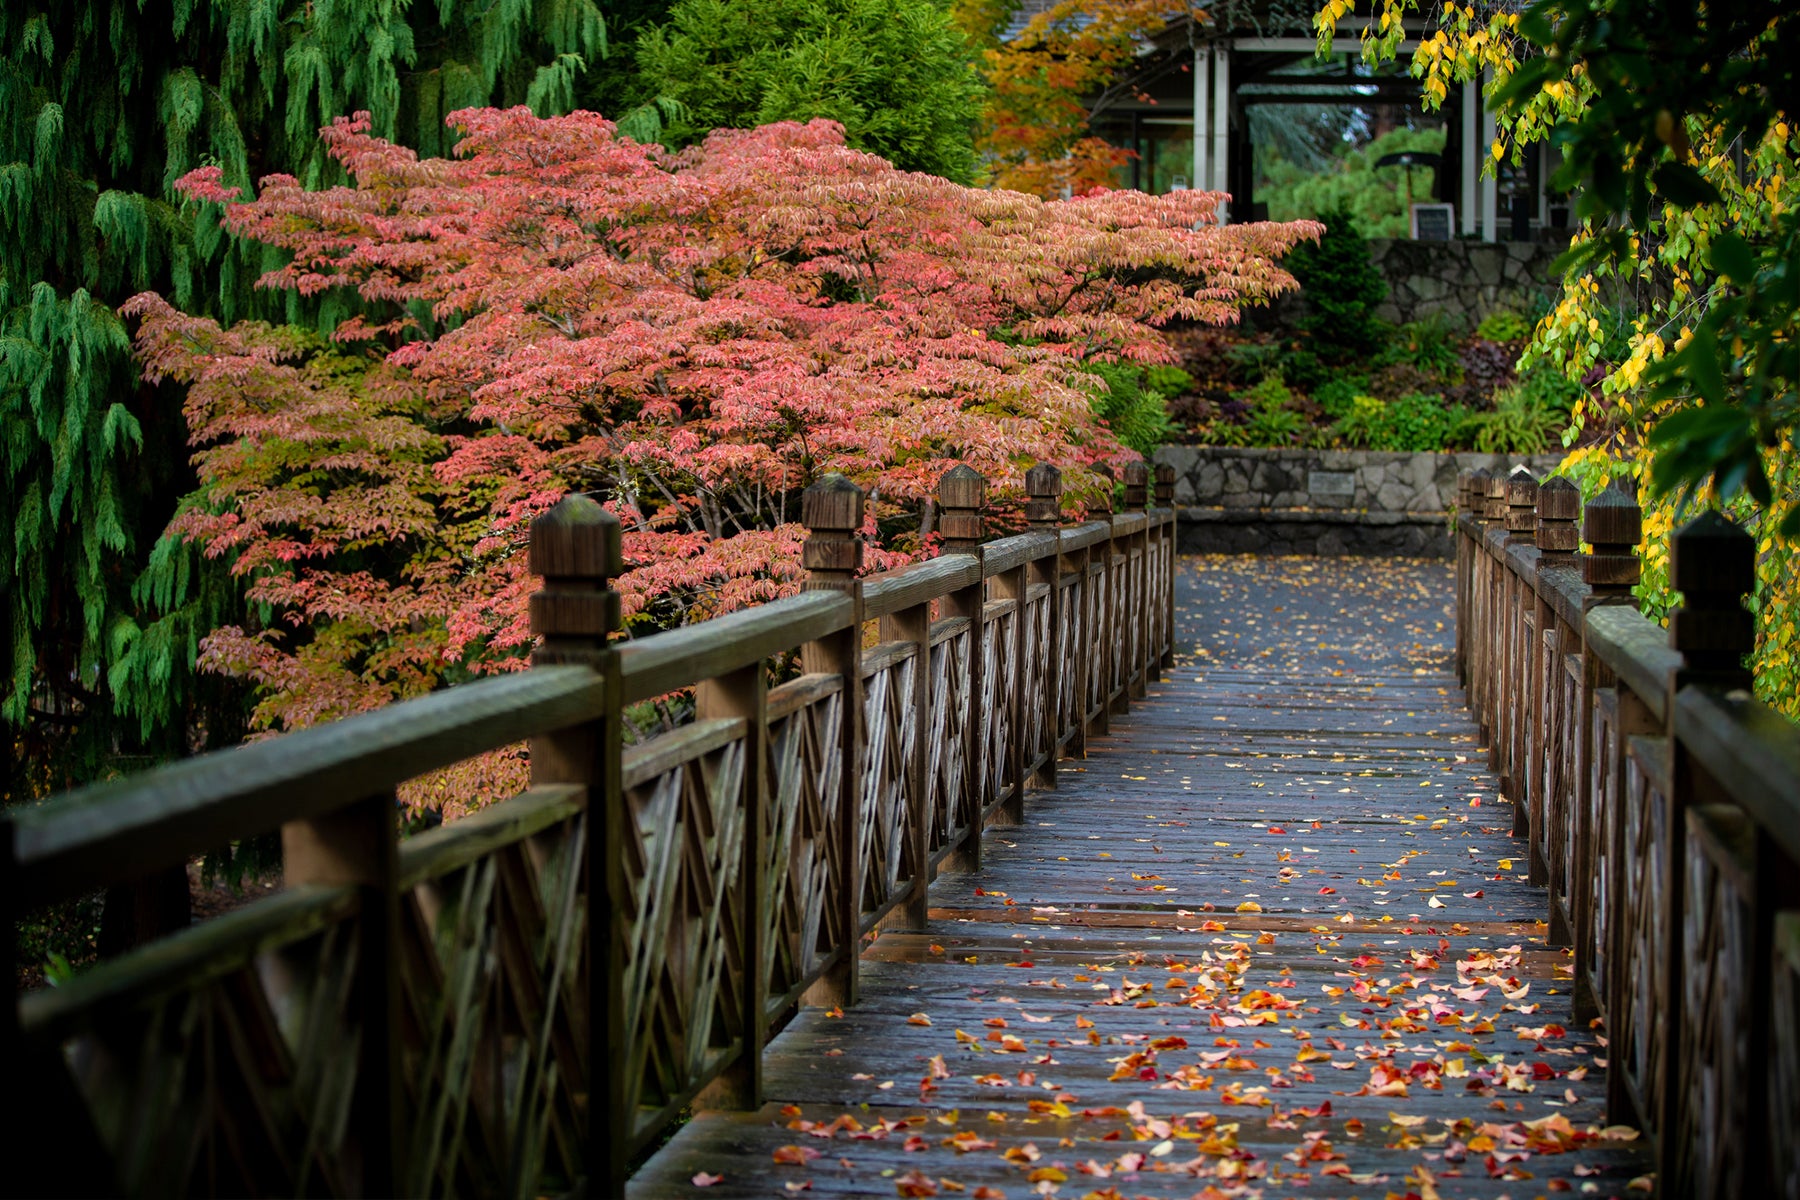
(1732, 257)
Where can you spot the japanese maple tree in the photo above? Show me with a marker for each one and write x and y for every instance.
(693, 338)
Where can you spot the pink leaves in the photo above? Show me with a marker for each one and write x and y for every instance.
(694, 338)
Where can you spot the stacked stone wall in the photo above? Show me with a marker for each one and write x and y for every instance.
(1462, 282)
(1243, 501)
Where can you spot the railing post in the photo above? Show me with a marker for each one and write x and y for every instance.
(1518, 679)
(832, 511)
(575, 553)
(1137, 500)
(1558, 508)
(1460, 536)
(962, 494)
(1043, 512)
(1481, 633)
(1165, 499)
(1712, 563)
(1612, 524)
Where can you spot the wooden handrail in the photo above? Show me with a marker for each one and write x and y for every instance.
(124, 828)
(649, 912)
(1661, 806)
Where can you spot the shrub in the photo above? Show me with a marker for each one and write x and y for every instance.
(1271, 420)
(1170, 381)
(1342, 289)
(1302, 369)
(1522, 422)
(1335, 396)
(1504, 325)
(1487, 367)
(1135, 412)
(1363, 422)
(1430, 345)
(1420, 421)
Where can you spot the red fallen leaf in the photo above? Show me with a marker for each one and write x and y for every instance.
(1026, 963)
(1327, 891)
(915, 1183)
(915, 1142)
(1276, 829)
(984, 1192)
(796, 1156)
(704, 1180)
(979, 892)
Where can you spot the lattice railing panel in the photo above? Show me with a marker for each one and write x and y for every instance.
(234, 1079)
(951, 799)
(679, 923)
(1637, 1036)
(1068, 633)
(1783, 1115)
(1714, 1067)
(890, 724)
(494, 984)
(806, 767)
(1034, 674)
(999, 670)
(1603, 800)
(1094, 611)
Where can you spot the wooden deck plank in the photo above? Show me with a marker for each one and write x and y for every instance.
(1260, 840)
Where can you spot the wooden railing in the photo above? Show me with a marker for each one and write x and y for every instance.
(1661, 806)
(521, 1001)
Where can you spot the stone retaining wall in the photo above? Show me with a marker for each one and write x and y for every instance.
(1321, 501)
(1461, 281)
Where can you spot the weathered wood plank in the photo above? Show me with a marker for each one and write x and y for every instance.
(1636, 650)
(1312, 780)
(127, 828)
(681, 657)
(892, 591)
(1752, 752)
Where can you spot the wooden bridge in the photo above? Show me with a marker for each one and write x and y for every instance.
(1053, 865)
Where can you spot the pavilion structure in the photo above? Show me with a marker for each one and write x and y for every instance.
(1205, 73)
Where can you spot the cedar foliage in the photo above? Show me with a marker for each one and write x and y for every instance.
(898, 75)
(103, 105)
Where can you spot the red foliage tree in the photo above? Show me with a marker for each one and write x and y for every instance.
(693, 337)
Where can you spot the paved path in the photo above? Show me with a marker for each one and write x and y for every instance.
(1272, 937)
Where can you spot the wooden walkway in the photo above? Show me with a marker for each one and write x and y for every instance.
(1272, 937)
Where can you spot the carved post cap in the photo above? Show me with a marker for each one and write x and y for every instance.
(1105, 472)
(1043, 496)
(1478, 480)
(1558, 507)
(1465, 480)
(1613, 524)
(1521, 505)
(1494, 498)
(1712, 563)
(574, 549)
(1137, 486)
(1165, 485)
(832, 511)
(961, 494)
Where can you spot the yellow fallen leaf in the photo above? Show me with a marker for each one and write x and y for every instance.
(1249, 906)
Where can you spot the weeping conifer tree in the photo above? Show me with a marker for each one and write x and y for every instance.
(103, 105)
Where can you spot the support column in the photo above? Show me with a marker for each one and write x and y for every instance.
(1490, 179)
(1202, 120)
(1217, 154)
(1471, 155)
(832, 511)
